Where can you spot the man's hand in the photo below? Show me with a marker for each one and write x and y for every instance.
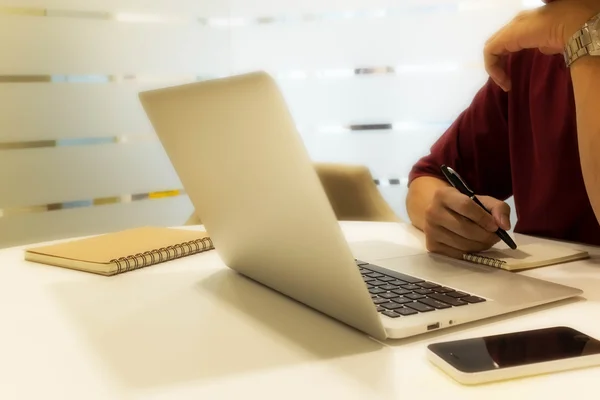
(547, 28)
(455, 225)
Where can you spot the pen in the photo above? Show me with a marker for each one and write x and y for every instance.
(456, 181)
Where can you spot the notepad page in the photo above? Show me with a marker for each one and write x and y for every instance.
(104, 248)
(535, 255)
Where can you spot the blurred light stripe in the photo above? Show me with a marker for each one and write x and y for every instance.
(103, 79)
(34, 144)
(92, 141)
(25, 78)
(124, 199)
(386, 182)
(77, 14)
(15, 211)
(240, 21)
(289, 75)
(389, 127)
(26, 11)
(401, 126)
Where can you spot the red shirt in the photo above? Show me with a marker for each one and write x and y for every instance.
(523, 144)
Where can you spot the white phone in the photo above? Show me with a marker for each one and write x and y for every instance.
(515, 355)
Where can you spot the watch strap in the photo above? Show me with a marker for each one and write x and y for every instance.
(582, 43)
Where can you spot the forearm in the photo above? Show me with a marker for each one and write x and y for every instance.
(586, 84)
(420, 196)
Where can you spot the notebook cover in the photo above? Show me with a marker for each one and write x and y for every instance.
(103, 249)
(532, 256)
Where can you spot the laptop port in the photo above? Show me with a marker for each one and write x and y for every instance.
(433, 326)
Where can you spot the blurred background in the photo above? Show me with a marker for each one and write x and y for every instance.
(371, 82)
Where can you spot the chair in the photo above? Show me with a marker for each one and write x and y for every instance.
(193, 220)
(352, 193)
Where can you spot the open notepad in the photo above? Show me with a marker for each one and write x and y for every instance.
(119, 252)
(527, 256)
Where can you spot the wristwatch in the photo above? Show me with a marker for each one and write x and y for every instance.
(586, 41)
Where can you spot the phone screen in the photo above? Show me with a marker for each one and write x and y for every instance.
(516, 349)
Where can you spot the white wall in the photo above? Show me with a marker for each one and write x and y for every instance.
(77, 155)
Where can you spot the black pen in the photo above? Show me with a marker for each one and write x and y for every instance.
(456, 181)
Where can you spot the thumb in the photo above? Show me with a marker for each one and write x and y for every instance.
(499, 209)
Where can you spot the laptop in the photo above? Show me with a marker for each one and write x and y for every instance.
(235, 147)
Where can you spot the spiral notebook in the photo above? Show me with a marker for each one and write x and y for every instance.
(119, 252)
(527, 256)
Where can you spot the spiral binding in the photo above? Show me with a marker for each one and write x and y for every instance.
(492, 262)
(163, 254)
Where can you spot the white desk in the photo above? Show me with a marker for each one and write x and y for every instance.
(192, 329)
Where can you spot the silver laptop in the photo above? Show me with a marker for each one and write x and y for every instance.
(244, 166)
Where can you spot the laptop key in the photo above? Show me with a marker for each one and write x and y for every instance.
(447, 299)
(388, 295)
(359, 263)
(406, 278)
(390, 314)
(397, 275)
(411, 287)
(458, 295)
(405, 311)
(375, 275)
(401, 300)
(398, 282)
(379, 300)
(473, 299)
(376, 282)
(443, 290)
(428, 285)
(419, 306)
(424, 291)
(401, 291)
(368, 279)
(380, 309)
(391, 306)
(376, 291)
(435, 304)
(388, 287)
(414, 296)
(386, 279)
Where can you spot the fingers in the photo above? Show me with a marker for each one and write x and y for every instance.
(533, 29)
(495, 70)
(458, 242)
(456, 225)
(499, 209)
(441, 248)
(502, 218)
(524, 31)
(462, 226)
(467, 208)
(494, 61)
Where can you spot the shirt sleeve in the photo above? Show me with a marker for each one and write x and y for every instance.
(476, 146)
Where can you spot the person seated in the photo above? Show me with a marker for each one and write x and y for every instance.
(531, 132)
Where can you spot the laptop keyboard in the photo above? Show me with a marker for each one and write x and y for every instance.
(397, 294)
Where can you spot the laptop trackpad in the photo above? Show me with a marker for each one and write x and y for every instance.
(432, 266)
(372, 251)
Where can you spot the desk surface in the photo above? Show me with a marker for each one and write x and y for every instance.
(192, 328)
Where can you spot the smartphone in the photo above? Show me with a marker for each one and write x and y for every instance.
(515, 355)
